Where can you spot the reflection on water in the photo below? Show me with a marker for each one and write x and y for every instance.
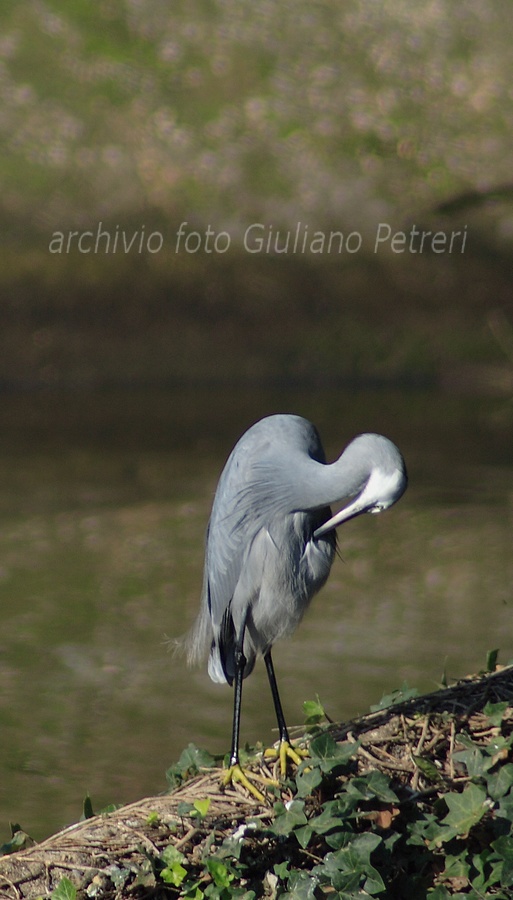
(103, 506)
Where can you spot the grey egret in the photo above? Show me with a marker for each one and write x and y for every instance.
(271, 542)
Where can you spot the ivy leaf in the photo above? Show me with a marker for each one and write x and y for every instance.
(463, 738)
(192, 759)
(339, 838)
(171, 855)
(88, 811)
(195, 892)
(119, 875)
(473, 760)
(364, 844)
(374, 785)
(491, 660)
(202, 806)
(301, 886)
(424, 830)
(500, 782)
(328, 755)
(65, 890)
(350, 868)
(314, 711)
(111, 807)
(20, 840)
(465, 809)
(289, 817)
(184, 808)
(373, 883)
(326, 820)
(440, 892)
(220, 873)
(504, 847)
(307, 781)
(303, 835)
(498, 747)
(427, 768)
(488, 869)
(495, 712)
(398, 696)
(456, 867)
(282, 869)
(504, 809)
(323, 746)
(173, 874)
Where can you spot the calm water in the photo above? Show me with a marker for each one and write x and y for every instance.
(103, 505)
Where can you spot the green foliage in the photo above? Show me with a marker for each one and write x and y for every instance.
(465, 811)
(65, 890)
(88, 811)
(398, 696)
(347, 832)
(19, 840)
(196, 810)
(329, 756)
(495, 712)
(221, 874)
(191, 761)
(428, 768)
(314, 712)
(491, 660)
(350, 869)
(354, 834)
(174, 872)
(471, 829)
(201, 807)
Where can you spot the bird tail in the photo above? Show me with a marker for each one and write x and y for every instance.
(197, 641)
(216, 669)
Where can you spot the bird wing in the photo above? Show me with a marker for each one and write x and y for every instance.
(257, 484)
(234, 523)
(255, 488)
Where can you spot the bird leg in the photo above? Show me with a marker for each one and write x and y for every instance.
(240, 663)
(235, 773)
(286, 750)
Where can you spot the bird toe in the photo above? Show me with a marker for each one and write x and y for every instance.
(284, 753)
(235, 774)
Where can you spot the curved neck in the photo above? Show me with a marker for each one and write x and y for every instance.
(322, 484)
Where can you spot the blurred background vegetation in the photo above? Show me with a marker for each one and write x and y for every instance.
(142, 115)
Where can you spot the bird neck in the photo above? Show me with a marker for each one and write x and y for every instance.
(321, 484)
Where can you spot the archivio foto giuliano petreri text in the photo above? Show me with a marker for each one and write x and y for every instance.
(258, 238)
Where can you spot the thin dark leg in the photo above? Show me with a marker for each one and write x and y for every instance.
(240, 662)
(282, 727)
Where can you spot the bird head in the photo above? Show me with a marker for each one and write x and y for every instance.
(381, 475)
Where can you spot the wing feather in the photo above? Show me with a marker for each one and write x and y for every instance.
(256, 484)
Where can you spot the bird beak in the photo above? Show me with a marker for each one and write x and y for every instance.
(349, 512)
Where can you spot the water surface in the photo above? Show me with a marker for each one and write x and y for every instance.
(103, 506)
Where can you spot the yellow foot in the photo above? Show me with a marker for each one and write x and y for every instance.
(236, 774)
(286, 751)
